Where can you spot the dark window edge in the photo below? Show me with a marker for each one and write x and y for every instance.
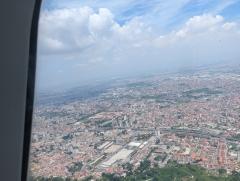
(32, 61)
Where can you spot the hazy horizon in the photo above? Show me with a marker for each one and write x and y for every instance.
(81, 42)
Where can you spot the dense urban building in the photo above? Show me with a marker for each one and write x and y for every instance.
(188, 117)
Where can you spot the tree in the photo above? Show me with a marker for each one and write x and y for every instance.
(144, 165)
(222, 171)
(129, 167)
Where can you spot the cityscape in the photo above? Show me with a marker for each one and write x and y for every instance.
(189, 117)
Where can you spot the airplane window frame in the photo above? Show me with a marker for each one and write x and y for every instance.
(32, 62)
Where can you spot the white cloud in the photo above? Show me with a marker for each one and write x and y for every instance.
(72, 31)
(101, 22)
(203, 22)
(229, 25)
(94, 39)
(66, 27)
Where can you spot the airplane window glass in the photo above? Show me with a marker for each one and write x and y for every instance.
(137, 90)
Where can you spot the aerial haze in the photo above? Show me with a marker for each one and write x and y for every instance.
(81, 42)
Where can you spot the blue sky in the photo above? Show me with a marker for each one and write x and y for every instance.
(84, 41)
(169, 13)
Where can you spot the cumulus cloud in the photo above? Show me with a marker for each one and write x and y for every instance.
(95, 39)
(69, 30)
(200, 24)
